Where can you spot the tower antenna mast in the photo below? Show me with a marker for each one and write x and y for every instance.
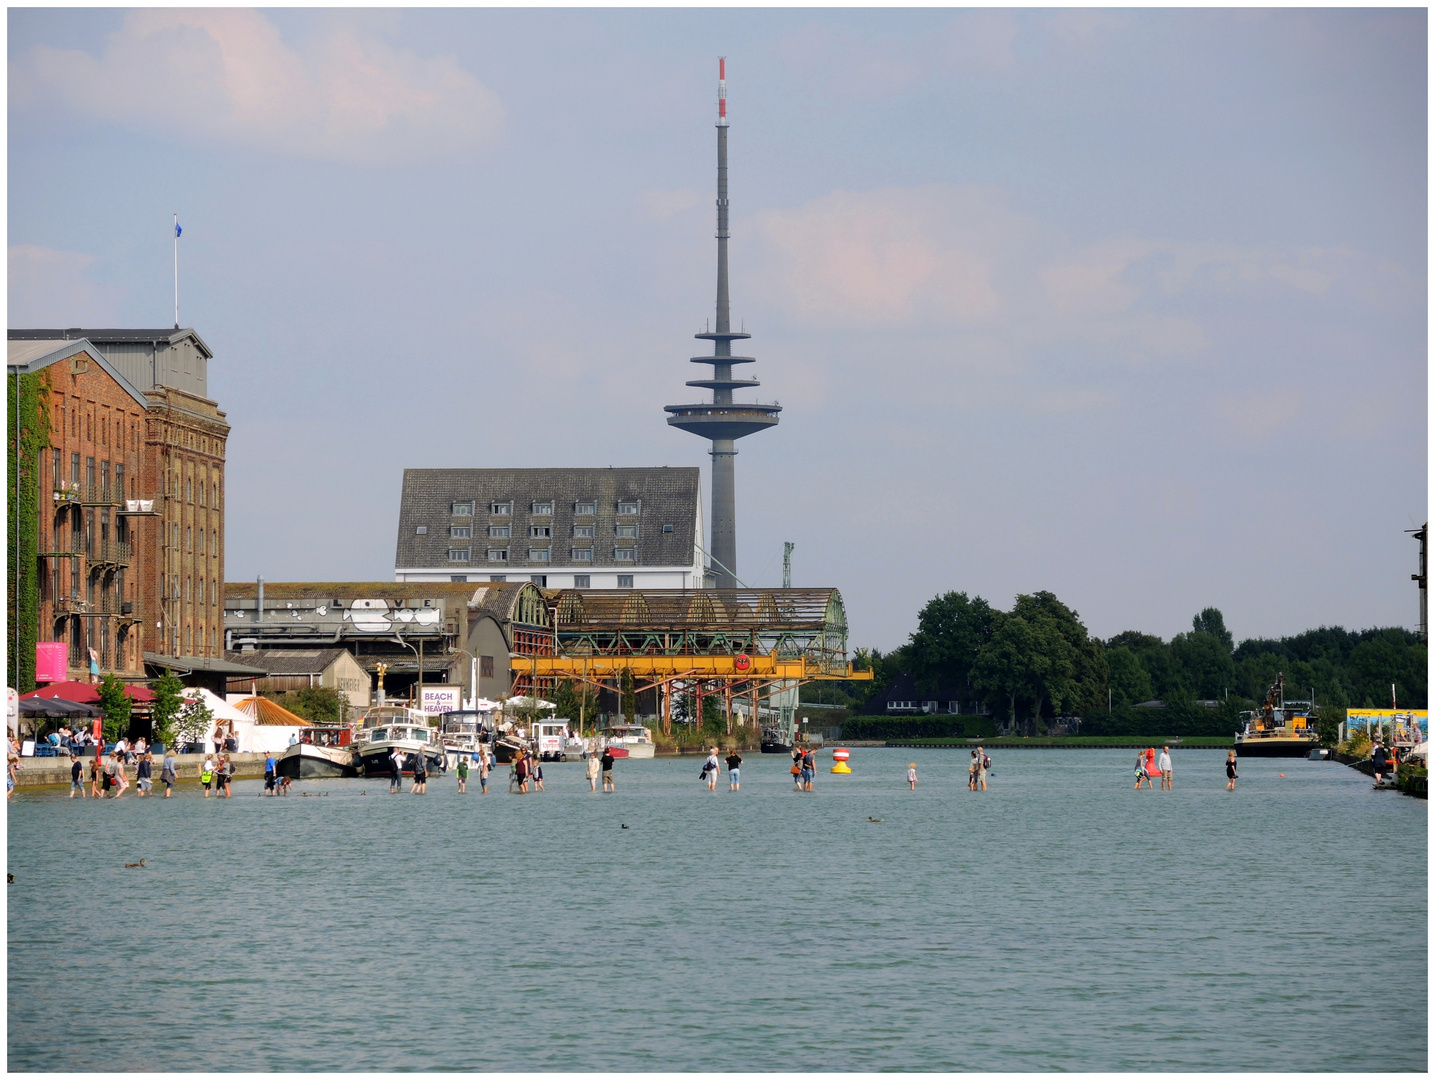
(723, 421)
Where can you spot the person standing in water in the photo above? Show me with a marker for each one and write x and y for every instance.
(590, 769)
(710, 769)
(484, 768)
(1141, 773)
(1230, 770)
(983, 764)
(396, 771)
(1164, 764)
(169, 771)
(734, 765)
(912, 776)
(462, 770)
(421, 775)
(972, 772)
(607, 762)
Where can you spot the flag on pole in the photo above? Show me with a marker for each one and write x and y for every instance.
(177, 229)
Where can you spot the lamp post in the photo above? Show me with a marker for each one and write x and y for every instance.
(419, 656)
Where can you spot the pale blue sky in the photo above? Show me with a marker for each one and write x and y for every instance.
(1126, 305)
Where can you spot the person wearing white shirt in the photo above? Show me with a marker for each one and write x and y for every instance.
(1164, 764)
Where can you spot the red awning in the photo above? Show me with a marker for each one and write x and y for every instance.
(86, 693)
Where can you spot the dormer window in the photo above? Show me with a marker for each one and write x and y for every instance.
(543, 509)
(501, 509)
(463, 509)
(628, 506)
(584, 509)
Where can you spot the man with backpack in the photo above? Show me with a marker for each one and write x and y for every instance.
(983, 764)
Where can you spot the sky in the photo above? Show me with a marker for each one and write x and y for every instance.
(1125, 305)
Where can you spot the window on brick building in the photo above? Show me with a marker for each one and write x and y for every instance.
(201, 493)
(189, 538)
(201, 541)
(189, 491)
(119, 480)
(74, 468)
(104, 479)
(56, 477)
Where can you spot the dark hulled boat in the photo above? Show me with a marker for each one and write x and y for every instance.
(1279, 728)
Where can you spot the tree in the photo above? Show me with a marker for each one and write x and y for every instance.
(317, 704)
(1211, 621)
(950, 630)
(168, 700)
(191, 724)
(1083, 687)
(115, 706)
(1204, 660)
(1130, 681)
(575, 703)
(1005, 665)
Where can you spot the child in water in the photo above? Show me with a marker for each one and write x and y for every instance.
(912, 776)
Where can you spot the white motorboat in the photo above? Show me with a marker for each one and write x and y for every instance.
(629, 740)
(462, 734)
(321, 752)
(387, 728)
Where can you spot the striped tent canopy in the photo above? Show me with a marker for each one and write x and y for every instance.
(265, 711)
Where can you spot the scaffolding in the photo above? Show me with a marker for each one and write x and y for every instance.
(690, 645)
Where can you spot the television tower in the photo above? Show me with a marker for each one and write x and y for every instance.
(722, 420)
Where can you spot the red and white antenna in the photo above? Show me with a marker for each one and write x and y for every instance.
(722, 91)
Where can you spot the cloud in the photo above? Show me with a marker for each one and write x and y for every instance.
(1260, 415)
(53, 288)
(227, 75)
(891, 257)
(940, 258)
(664, 204)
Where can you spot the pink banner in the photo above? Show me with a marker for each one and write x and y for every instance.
(50, 662)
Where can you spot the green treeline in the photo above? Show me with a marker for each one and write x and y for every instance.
(1037, 661)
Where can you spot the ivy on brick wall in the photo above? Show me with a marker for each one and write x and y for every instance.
(28, 420)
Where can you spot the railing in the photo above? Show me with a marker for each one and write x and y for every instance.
(100, 495)
(111, 553)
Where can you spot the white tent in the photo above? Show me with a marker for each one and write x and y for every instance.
(253, 738)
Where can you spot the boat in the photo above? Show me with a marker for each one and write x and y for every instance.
(1280, 728)
(553, 741)
(630, 741)
(389, 727)
(776, 741)
(322, 752)
(462, 733)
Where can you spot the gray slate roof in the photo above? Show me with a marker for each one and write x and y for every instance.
(667, 496)
(287, 661)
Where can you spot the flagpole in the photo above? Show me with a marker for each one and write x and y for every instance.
(176, 271)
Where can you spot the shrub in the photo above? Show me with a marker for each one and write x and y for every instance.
(918, 727)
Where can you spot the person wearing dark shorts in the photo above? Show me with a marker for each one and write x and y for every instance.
(77, 777)
(270, 773)
(421, 775)
(1230, 770)
(606, 761)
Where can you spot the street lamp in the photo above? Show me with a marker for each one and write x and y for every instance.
(419, 656)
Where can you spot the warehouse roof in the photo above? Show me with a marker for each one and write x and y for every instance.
(100, 337)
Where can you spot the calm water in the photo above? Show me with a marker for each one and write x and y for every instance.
(1058, 921)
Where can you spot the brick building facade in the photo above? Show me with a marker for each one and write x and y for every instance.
(131, 489)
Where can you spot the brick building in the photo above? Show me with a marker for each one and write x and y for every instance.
(130, 530)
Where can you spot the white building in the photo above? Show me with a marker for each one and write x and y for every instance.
(559, 528)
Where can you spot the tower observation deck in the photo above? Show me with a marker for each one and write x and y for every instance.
(722, 420)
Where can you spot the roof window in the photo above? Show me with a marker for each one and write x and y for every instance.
(463, 509)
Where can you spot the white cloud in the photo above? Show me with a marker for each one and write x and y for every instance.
(227, 75)
(945, 259)
(53, 288)
(664, 204)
